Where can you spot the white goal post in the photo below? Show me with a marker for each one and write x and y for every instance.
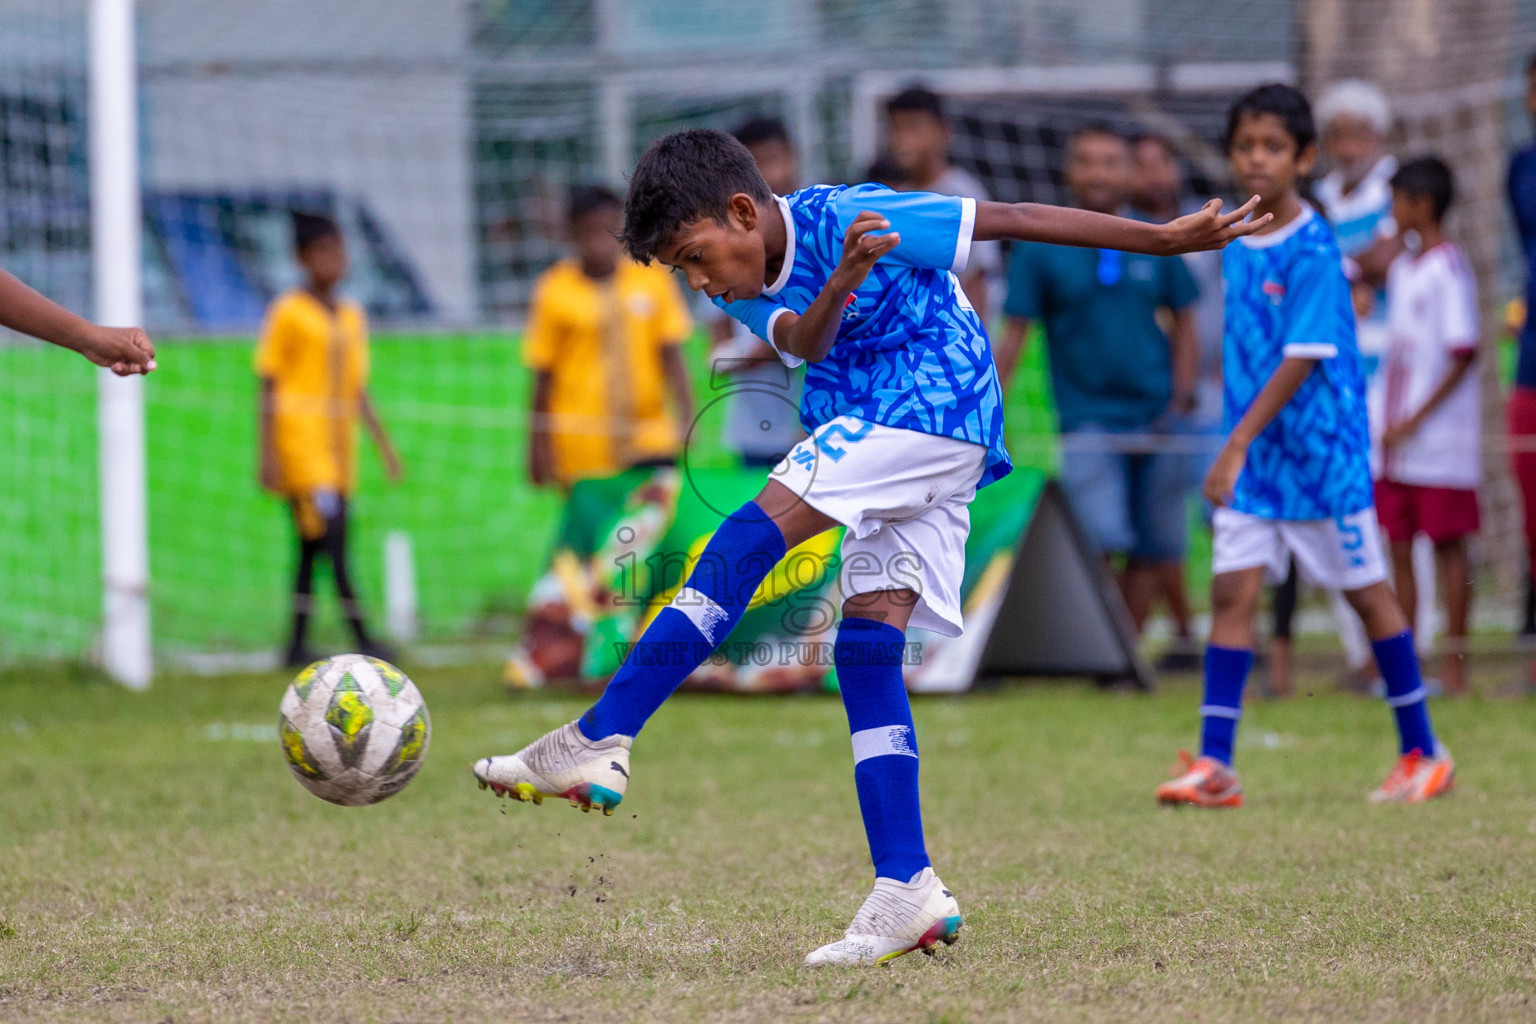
(126, 653)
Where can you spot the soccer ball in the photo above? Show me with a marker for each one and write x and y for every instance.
(354, 729)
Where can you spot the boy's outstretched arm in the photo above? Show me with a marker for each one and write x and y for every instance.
(1281, 388)
(123, 350)
(1207, 228)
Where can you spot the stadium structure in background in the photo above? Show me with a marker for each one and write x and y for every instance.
(444, 136)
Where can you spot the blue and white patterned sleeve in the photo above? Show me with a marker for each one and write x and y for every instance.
(1319, 313)
(758, 316)
(935, 230)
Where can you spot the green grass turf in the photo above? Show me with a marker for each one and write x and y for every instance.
(221, 552)
(159, 865)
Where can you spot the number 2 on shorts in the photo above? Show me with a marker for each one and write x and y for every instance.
(837, 430)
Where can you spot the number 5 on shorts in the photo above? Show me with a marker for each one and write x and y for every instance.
(1352, 541)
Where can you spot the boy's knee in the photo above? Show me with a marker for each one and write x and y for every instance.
(1234, 595)
(1378, 608)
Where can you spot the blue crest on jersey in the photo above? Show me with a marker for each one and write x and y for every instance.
(1288, 293)
(910, 353)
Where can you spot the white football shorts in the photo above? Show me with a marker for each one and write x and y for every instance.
(904, 497)
(1340, 554)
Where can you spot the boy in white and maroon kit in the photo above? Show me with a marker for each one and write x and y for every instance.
(1432, 459)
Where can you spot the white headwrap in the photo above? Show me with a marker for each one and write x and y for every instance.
(1355, 98)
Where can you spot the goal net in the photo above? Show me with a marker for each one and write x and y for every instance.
(444, 138)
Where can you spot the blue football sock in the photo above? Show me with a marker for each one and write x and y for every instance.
(868, 655)
(683, 634)
(1399, 664)
(1226, 672)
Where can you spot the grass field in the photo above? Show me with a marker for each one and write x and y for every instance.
(158, 864)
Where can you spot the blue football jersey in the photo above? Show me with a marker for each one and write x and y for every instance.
(911, 353)
(1287, 296)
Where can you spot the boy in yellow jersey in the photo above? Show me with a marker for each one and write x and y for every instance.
(603, 337)
(313, 365)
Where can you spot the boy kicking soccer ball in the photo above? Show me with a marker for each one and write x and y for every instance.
(1294, 476)
(905, 418)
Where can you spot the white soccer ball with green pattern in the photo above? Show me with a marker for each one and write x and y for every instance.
(354, 729)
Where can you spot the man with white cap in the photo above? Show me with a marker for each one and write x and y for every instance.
(1355, 118)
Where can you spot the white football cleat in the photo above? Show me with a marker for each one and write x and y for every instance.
(897, 918)
(563, 763)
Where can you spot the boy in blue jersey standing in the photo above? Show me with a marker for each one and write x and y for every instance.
(905, 417)
(1294, 476)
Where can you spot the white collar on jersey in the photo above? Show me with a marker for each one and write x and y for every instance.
(789, 249)
(1274, 238)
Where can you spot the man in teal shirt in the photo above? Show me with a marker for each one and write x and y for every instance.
(1119, 380)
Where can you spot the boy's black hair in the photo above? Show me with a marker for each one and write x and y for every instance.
(1157, 139)
(1286, 102)
(585, 199)
(682, 178)
(917, 98)
(884, 170)
(1427, 176)
(760, 130)
(309, 228)
(1088, 128)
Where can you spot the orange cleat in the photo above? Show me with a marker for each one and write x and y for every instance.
(1203, 782)
(1416, 778)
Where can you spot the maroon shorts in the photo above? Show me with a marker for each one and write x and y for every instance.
(1440, 513)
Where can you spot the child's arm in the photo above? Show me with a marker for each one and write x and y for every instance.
(1207, 228)
(1461, 362)
(1185, 344)
(1282, 387)
(1006, 352)
(541, 456)
(677, 382)
(123, 350)
(268, 475)
(376, 428)
(810, 335)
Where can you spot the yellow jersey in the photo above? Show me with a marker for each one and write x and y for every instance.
(602, 344)
(317, 360)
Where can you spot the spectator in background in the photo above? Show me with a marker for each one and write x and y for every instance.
(884, 170)
(1356, 193)
(1432, 442)
(763, 405)
(1157, 193)
(1522, 400)
(312, 361)
(1118, 377)
(603, 342)
(918, 139)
